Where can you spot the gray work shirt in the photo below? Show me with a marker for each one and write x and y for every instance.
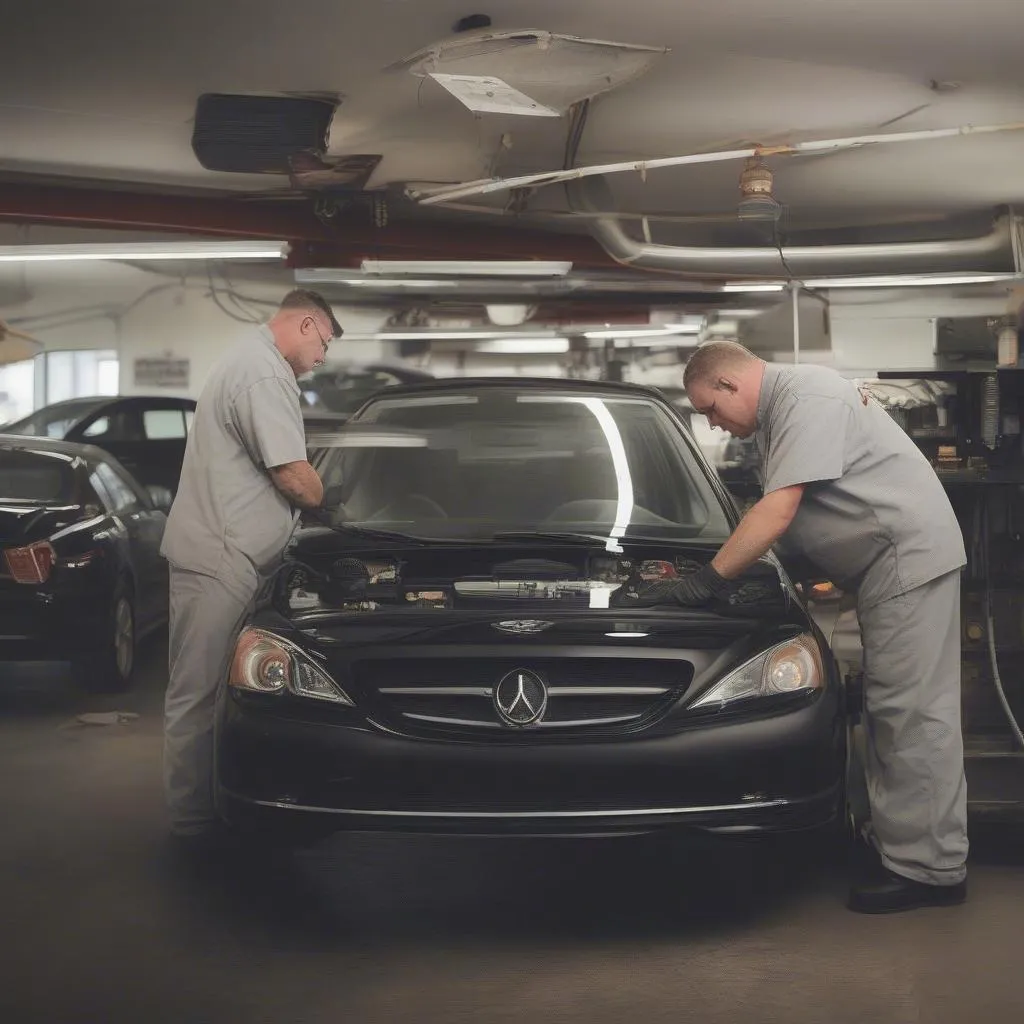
(227, 511)
(874, 515)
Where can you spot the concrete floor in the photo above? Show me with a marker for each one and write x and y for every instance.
(100, 926)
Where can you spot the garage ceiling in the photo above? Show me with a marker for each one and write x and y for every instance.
(107, 91)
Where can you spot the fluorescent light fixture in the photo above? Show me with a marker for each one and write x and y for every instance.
(470, 268)
(908, 281)
(144, 251)
(438, 334)
(753, 287)
(377, 282)
(644, 332)
(882, 281)
(526, 346)
(624, 635)
(661, 341)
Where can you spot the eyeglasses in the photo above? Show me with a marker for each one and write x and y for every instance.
(324, 342)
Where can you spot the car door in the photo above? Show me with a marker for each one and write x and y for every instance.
(165, 426)
(116, 428)
(145, 524)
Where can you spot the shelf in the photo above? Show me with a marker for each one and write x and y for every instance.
(946, 375)
(987, 478)
(933, 433)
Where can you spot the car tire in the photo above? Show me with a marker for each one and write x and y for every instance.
(112, 668)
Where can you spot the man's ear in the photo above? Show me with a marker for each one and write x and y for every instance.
(726, 384)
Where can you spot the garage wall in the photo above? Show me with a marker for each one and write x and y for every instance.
(884, 343)
(141, 313)
(186, 323)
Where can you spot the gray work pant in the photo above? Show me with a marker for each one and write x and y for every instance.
(915, 753)
(206, 616)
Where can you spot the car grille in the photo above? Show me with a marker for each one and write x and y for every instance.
(583, 693)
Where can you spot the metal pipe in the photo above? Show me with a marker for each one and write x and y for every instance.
(485, 186)
(994, 250)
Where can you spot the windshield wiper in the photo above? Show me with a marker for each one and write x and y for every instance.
(369, 533)
(553, 537)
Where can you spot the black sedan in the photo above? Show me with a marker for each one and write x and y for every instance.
(145, 433)
(453, 649)
(81, 577)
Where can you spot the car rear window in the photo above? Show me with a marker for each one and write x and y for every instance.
(35, 477)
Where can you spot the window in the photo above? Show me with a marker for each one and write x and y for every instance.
(118, 425)
(77, 373)
(55, 377)
(35, 477)
(114, 491)
(17, 384)
(502, 459)
(165, 424)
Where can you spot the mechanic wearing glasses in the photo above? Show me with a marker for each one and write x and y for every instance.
(848, 489)
(244, 477)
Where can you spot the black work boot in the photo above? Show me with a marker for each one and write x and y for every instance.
(878, 890)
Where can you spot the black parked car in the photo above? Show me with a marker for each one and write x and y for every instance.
(146, 434)
(454, 651)
(81, 577)
(331, 394)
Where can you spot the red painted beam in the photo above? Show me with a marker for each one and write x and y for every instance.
(343, 241)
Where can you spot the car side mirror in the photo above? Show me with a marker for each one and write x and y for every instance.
(161, 497)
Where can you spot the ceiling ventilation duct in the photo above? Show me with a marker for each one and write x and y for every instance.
(259, 134)
(997, 250)
(553, 69)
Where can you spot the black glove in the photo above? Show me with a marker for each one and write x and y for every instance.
(689, 592)
(318, 516)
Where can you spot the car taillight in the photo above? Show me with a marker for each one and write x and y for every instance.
(31, 564)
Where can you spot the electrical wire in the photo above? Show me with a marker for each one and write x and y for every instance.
(220, 305)
(777, 239)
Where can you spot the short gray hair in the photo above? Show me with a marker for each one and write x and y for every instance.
(713, 359)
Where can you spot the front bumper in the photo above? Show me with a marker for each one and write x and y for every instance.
(775, 773)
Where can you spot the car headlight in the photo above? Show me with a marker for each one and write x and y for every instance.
(790, 667)
(267, 663)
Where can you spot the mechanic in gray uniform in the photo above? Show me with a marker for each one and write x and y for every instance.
(845, 487)
(244, 477)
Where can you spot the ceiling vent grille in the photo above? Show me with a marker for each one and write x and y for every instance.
(259, 134)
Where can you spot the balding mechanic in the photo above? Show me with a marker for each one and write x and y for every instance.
(244, 477)
(845, 487)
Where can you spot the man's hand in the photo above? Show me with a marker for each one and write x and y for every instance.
(689, 592)
(299, 483)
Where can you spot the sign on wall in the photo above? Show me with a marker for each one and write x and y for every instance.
(161, 372)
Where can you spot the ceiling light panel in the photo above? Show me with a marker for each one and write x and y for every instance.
(526, 346)
(470, 268)
(139, 251)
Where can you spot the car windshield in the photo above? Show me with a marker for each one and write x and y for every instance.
(37, 477)
(55, 420)
(471, 464)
